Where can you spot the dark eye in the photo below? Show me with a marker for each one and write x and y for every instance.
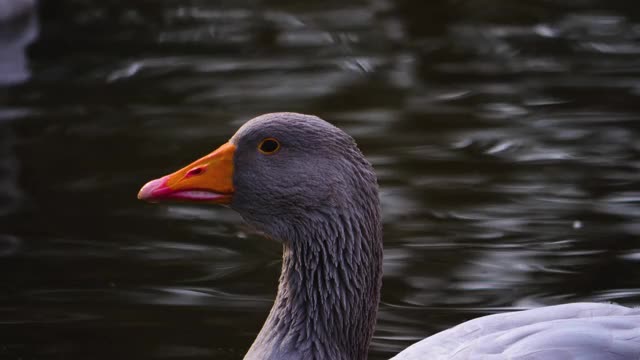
(269, 146)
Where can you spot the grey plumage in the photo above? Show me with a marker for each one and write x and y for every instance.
(319, 196)
(578, 331)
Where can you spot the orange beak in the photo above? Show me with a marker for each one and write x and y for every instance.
(209, 179)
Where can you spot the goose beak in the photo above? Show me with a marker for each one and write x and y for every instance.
(208, 180)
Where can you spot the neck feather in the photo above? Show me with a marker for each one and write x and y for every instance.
(329, 287)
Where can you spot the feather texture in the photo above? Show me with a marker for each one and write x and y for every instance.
(319, 196)
(577, 331)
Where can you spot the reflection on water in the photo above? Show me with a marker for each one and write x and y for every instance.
(18, 28)
(504, 137)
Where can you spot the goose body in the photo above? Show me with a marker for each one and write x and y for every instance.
(304, 182)
(577, 331)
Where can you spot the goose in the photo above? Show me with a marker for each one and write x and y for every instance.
(304, 182)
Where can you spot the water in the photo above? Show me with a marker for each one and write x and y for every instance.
(505, 137)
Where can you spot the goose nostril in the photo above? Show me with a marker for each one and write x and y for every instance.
(195, 172)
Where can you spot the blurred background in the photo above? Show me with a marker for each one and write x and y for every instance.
(505, 135)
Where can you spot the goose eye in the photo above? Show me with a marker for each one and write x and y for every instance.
(269, 146)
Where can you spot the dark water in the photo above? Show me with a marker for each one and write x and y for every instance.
(505, 135)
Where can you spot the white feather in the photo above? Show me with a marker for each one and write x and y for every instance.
(578, 331)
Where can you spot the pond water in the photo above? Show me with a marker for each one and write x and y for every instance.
(505, 137)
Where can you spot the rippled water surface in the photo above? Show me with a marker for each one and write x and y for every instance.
(505, 136)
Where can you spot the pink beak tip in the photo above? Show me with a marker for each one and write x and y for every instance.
(154, 189)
